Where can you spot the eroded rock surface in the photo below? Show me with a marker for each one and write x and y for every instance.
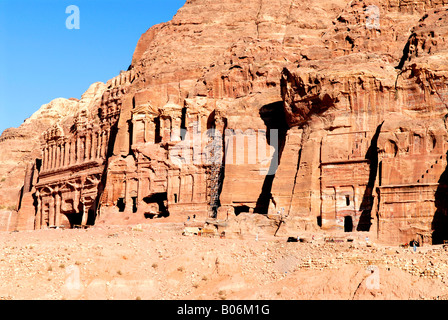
(332, 115)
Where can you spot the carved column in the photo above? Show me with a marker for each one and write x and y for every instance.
(50, 156)
(62, 154)
(139, 187)
(51, 214)
(82, 151)
(58, 155)
(167, 129)
(151, 131)
(53, 156)
(85, 214)
(78, 149)
(94, 145)
(175, 132)
(196, 184)
(197, 142)
(45, 158)
(48, 165)
(72, 152)
(146, 130)
(67, 153)
(57, 208)
(127, 195)
(162, 128)
(88, 146)
(51, 162)
(76, 198)
(106, 140)
(107, 135)
(103, 144)
(99, 144)
(134, 130)
(61, 163)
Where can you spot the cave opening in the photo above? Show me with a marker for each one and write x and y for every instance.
(348, 224)
(240, 209)
(91, 216)
(121, 205)
(134, 204)
(158, 134)
(160, 201)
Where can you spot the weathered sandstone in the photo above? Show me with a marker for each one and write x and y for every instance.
(332, 115)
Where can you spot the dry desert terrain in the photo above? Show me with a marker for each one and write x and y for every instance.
(155, 261)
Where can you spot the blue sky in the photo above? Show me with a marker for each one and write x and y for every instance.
(40, 59)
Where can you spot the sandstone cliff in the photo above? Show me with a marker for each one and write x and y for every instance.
(22, 146)
(332, 114)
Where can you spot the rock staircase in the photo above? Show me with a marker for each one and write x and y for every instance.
(432, 174)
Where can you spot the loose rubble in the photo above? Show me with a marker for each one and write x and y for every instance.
(155, 261)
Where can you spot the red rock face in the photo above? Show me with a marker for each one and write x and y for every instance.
(330, 113)
(376, 127)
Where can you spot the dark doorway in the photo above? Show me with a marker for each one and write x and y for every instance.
(319, 221)
(241, 209)
(348, 224)
(158, 134)
(91, 216)
(121, 204)
(160, 199)
(75, 218)
(134, 204)
(38, 164)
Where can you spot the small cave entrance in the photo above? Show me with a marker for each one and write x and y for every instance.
(319, 221)
(158, 132)
(91, 217)
(348, 224)
(75, 218)
(134, 204)
(240, 209)
(121, 205)
(156, 206)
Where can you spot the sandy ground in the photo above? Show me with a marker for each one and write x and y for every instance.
(155, 261)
